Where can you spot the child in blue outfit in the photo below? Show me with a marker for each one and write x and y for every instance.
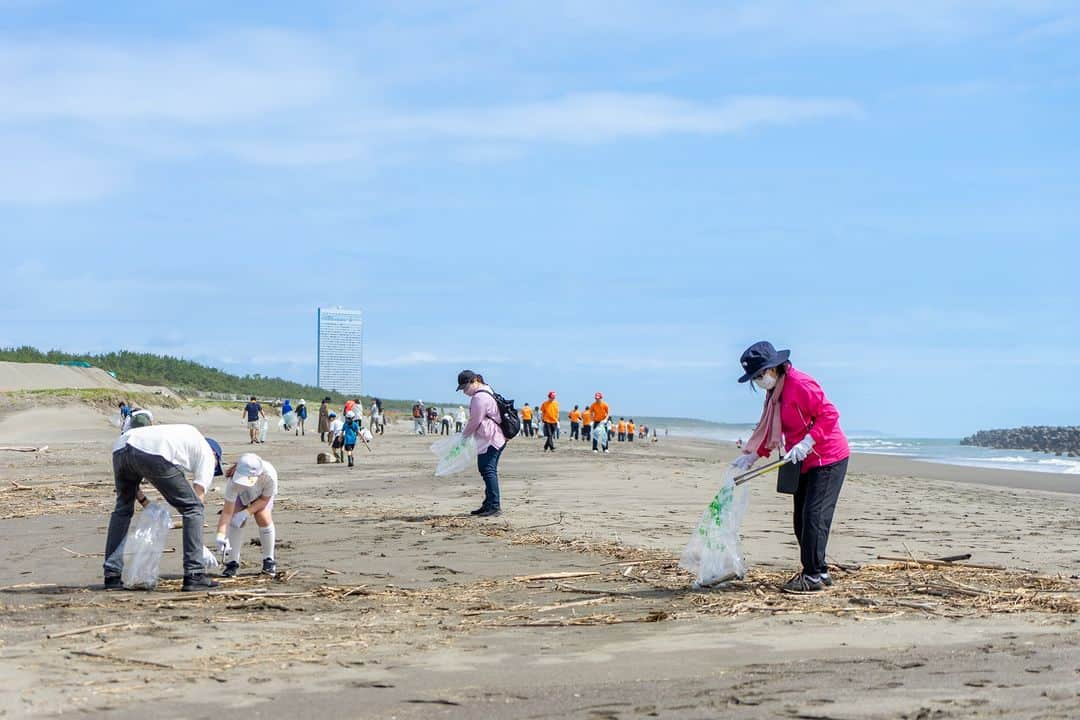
(350, 432)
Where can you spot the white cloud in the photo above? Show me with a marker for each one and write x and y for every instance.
(230, 77)
(601, 117)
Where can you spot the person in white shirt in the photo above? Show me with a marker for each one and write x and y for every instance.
(336, 437)
(160, 454)
(460, 418)
(250, 490)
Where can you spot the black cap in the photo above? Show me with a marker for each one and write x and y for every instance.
(464, 378)
(761, 356)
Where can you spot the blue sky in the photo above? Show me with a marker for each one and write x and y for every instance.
(564, 195)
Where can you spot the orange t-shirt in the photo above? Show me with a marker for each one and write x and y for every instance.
(575, 416)
(526, 413)
(599, 411)
(622, 426)
(630, 428)
(587, 418)
(549, 411)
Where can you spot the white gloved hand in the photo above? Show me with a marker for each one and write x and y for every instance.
(744, 462)
(801, 450)
(223, 545)
(208, 560)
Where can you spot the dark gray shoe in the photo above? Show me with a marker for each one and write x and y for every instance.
(231, 568)
(269, 566)
(826, 580)
(113, 582)
(803, 584)
(490, 512)
(198, 583)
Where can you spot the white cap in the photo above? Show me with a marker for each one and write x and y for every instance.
(249, 467)
(302, 402)
(350, 414)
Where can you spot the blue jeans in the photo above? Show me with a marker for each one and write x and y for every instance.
(488, 464)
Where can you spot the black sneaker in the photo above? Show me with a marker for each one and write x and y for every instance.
(113, 582)
(490, 512)
(198, 583)
(803, 584)
(825, 579)
(269, 566)
(231, 568)
(477, 511)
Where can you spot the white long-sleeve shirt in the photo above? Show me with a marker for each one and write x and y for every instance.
(182, 445)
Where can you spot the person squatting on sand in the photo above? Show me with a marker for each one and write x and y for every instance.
(549, 415)
(485, 426)
(599, 411)
(160, 454)
(798, 416)
(249, 491)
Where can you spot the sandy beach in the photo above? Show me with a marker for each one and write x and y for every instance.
(393, 602)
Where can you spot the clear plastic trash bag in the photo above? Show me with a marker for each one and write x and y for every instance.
(288, 421)
(264, 426)
(713, 553)
(455, 454)
(143, 546)
(366, 435)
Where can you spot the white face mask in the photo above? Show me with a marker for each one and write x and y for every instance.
(766, 382)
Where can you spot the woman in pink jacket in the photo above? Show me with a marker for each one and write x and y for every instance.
(800, 422)
(484, 425)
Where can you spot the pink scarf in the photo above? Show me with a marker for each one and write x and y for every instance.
(768, 432)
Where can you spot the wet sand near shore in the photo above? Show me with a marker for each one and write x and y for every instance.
(393, 602)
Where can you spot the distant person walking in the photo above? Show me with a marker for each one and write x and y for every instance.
(460, 418)
(599, 412)
(253, 411)
(549, 415)
(485, 426)
(324, 419)
(350, 431)
(797, 414)
(418, 416)
(575, 423)
(630, 430)
(160, 454)
(526, 420)
(376, 416)
(301, 416)
(336, 437)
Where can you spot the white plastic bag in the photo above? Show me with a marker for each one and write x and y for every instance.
(263, 427)
(713, 552)
(143, 547)
(366, 435)
(288, 421)
(454, 453)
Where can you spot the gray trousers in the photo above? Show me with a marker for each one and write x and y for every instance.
(130, 466)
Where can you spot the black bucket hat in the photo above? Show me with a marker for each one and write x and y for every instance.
(464, 378)
(761, 356)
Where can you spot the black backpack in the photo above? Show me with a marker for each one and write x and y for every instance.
(509, 421)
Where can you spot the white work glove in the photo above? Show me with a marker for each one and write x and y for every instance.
(801, 450)
(208, 560)
(223, 545)
(744, 462)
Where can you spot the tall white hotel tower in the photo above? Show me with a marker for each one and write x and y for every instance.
(341, 350)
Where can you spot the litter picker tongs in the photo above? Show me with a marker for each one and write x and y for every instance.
(739, 480)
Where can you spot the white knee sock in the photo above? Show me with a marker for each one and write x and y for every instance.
(267, 539)
(236, 539)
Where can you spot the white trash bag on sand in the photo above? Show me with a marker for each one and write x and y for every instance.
(455, 454)
(713, 552)
(143, 546)
(288, 421)
(264, 426)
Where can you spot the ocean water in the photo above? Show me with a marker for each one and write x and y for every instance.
(937, 450)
